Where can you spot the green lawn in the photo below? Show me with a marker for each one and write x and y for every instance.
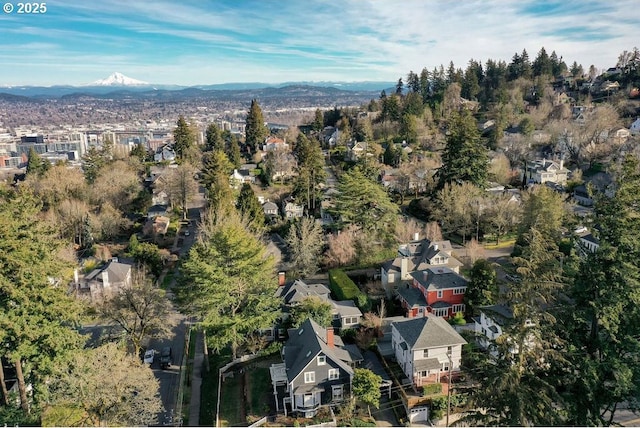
(209, 390)
(261, 391)
(232, 402)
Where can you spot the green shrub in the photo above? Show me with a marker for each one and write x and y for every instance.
(342, 286)
(431, 388)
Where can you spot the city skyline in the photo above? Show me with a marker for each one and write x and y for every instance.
(197, 43)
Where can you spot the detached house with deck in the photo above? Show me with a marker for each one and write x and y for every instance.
(317, 370)
(427, 349)
(437, 291)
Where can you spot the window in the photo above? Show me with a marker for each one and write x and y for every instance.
(458, 291)
(350, 320)
(439, 294)
(322, 360)
(425, 353)
(445, 367)
(441, 312)
(309, 377)
(458, 308)
(336, 391)
(334, 374)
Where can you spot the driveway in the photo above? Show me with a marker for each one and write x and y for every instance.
(384, 416)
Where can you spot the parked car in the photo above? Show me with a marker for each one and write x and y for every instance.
(165, 357)
(149, 355)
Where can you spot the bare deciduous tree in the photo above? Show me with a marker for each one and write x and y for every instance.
(341, 249)
(141, 309)
(108, 387)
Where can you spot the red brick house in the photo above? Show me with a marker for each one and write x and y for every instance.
(438, 291)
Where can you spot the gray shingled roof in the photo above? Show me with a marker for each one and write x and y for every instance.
(346, 308)
(428, 364)
(412, 296)
(428, 332)
(419, 253)
(306, 342)
(439, 278)
(298, 290)
(498, 313)
(116, 271)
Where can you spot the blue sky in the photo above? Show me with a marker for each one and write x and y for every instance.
(220, 41)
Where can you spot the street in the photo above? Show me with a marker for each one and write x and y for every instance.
(170, 378)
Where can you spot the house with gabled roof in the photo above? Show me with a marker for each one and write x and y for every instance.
(490, 324)
(317, 370)
(545, 170)
(438, 291)
(104, 281)
(426, 349)
(346, 313)
(417, 255)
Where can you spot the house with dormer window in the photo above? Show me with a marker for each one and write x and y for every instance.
(417, 255)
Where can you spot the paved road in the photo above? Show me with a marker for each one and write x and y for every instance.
(170, 378)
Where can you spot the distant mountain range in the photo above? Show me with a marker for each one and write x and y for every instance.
(118, 85)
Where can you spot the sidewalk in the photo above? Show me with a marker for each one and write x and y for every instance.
(196, 382)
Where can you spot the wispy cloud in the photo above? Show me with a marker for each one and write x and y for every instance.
(230, 40)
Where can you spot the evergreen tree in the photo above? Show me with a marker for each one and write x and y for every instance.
(604, 321)
(311, 171)
(229, 282)
(399, 87)
(183, 137)
(365, 203)
(255, 130)
(214, 177)
(250, 208)
(233, 151)
(37, 316)
(139, 151)
(35, 164)
(464, 158)
(93, 161)
(527, 346)
(213, 138)
(482, 288)
(542, 64)
(318, 121)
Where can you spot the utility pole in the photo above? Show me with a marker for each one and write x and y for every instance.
(449, 388)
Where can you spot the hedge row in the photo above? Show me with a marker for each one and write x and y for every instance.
(342, 286)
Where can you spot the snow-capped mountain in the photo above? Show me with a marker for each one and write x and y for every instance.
(118, 79)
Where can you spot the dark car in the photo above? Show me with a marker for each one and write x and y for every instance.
(165, 357)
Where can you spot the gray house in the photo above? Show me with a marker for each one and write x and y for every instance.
(317, 370)
(345, 312)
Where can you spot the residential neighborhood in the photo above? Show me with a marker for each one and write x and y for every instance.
(460, 247)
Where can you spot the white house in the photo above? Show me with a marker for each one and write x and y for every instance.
(426, 348)
(543, 171)
(490, 324)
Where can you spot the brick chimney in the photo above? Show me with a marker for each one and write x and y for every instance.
(281, 278)
(330, 341)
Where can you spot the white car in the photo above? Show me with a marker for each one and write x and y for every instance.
(149, 356)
